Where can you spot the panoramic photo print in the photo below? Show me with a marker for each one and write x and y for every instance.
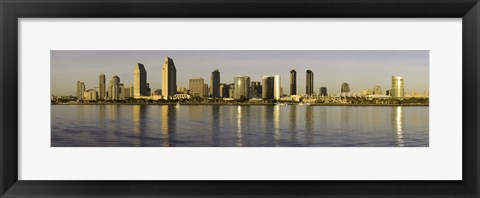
(239, 98)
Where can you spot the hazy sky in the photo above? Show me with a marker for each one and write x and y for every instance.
(362, 69)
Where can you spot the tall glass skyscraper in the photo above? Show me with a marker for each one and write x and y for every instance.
(139, 81)
(242, 87)
(80, 90)
(309, 82)
(293, 82)
(215, 84)
(398, 87)
(169, 78)
(268, 87)
(101, 85)
(115, 88)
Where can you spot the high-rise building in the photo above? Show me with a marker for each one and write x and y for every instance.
(121, 91)
(277, 87)
(345, 88)
(132, 90)
(309, 82)
(398, 87)
(126, 94)
(149, 89)
(268, 83)
(90, 95)
(242, 87)
(224, 88)
(196, 87)
(231, 90)
(293, 82)
(139, 81)
(255, 89)
(80, 90)
(323, 91)
(215, 84)
(101, 85)
(169, 78)
(115, 89)
(206, 90)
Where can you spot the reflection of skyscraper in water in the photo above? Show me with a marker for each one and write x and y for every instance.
(239, 126)
(397, 124)
(309, 123)
(216, 125)
(165, 124)
(293, 123)
(276, 124)
(138, 123)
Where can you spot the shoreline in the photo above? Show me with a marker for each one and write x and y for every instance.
(245, 104)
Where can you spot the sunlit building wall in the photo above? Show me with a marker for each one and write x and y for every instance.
(277, 87)
(90, 95)
(101, 85)
(398, 87)
(196, 87)
(80, 90)
(169, 78)
(309, 88)
(242, 87)
(139, 81)
(115, 88)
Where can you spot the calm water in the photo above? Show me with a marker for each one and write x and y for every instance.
(232, 126)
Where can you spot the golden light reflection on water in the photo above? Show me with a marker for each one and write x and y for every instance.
(276, 124)
(164, 114)
(239, 126)
(398, 125)
(137, 119)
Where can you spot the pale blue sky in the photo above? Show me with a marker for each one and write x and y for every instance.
(362, 69)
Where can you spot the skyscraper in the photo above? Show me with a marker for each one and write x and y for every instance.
(196, 87)
(268, 87)
(101, 85)
(139, 81)
(345, 88)
(224, 90)
(255, 89)
(293, 82)
(323, 91)
(206, 90)
(277, 87)
(80, 90)
(397, 87)
(215, 84)
(169, 78)
(115, 88)
(242, 87)
(309, 82)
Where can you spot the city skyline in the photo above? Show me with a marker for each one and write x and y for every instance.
(331, 68)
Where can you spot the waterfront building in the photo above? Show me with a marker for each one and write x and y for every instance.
(231, 90)
(215, 84)
(101, 85)
(309, 82)
(268, 83)
(115, 81)
(126, 94)
(224, 90)
(90, 95)
(323, 91)
(345, 88)
(206, 90)
(398, 87)
(132, 91)
(277, 87)
(196, 87)
(149, 90)
(293, 82)
(139, 81)
(242, 87)
(80, 90)
(255, 89)
(169, 78)
(388, 92)
(121, 91)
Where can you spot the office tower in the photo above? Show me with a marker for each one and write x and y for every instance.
(255, 89)
(268, 83)
(132, 90)
(206, 90)
(398, 87)
(215, 84)
(277, 89)
(101, 85)
(377, 90)
(149, 90)
(231, 90)
(90, 95)
(196, 87)
(224, 90)
(242, 87)
(323, 91)
(309, 82)
(109, 92)
(121, 91)
(139, 81)
(115, 89)
(293, 82)
(80, 90)
(345, 88)
(169, 78)
(126, 94)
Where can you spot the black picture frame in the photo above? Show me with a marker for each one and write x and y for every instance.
(12, 10)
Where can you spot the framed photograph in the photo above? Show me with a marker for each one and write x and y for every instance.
(228, 98)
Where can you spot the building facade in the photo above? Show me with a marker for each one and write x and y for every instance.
(90, 95)
(115, 89)
(323, 91)
(398, 87)
(293, 82)
(242, 87)
(139, 81)
(268, 83)
(309, 86)
(345, 88)
(80, 90)
(101, 86)
(169, 78)
(215, 84)
(196, 87)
